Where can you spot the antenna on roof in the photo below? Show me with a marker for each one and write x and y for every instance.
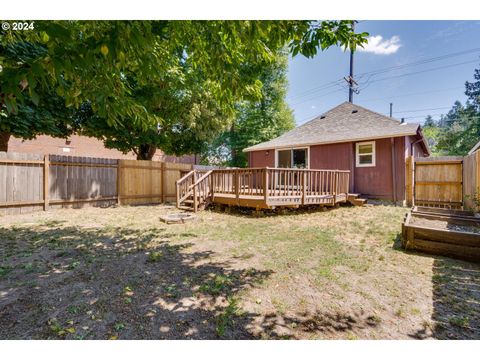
(350, 80)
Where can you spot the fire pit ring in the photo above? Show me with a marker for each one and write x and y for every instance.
(177, 218)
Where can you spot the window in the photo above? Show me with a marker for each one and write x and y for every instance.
(365, 154)
(292, 158)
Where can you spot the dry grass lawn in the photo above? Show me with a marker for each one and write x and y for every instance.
(120, 273)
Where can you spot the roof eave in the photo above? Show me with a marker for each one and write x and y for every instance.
(263, 148)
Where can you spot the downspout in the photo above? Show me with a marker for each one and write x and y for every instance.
(412, 144)
(394, 172)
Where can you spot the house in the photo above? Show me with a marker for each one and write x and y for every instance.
(475, 148)
(374, 147)
(77, 145)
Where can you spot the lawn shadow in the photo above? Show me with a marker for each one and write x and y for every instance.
(304, 325)
(251, 213)
(100, 283)
(456, 297)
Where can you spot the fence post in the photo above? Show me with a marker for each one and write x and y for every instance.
(46, 187)
(409, 181)
(163, 182)
(119, 181)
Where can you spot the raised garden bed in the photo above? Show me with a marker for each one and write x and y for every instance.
(453, 233)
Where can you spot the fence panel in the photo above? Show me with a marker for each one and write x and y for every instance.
(21, 183)
(140, 182)
(75, 181)
(438, 182)
(471, 179)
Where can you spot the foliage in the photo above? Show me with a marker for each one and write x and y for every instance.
(256, 120)
(459, 130)
(172, 80)
(226, 319)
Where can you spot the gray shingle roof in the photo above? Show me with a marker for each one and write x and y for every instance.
(345, 122)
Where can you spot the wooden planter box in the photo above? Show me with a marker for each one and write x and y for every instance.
(442, 232)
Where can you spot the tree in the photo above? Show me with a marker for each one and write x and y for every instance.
(256, 120)
(429, 122)
(45, 113)
(472, 90)
(91, 62)
(460, 129)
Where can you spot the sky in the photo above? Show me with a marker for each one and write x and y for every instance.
(424, 68)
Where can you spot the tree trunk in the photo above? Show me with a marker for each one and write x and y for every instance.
(4, 137)
(146, 152)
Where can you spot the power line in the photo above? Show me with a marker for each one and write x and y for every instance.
(380, 71)
(317, 96)
(414, 94)
(421, 62)
(318, 88)
(424, 116)
(421, 72)
(417, 110)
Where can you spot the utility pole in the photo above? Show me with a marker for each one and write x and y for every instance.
(391, 108)
(350, 90)
(351, 82)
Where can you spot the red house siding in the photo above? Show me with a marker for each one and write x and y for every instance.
(373, 182)
(333, 156)
(261, 158)
(377, 181)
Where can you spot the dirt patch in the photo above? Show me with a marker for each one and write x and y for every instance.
(444, 225)
(121, 273)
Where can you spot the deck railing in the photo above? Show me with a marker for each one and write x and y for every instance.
(272, 186)
(279, 182)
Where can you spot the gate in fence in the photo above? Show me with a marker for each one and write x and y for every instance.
(435, 182)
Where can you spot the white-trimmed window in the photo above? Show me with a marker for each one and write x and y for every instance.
(292, 158)
(365, 154)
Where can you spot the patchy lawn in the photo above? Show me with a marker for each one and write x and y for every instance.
(121, 273)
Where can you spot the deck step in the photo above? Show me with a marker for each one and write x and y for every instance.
(187, 208)
(359, 202)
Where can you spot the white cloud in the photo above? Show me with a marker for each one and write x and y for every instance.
(379, 46)
(313, 107)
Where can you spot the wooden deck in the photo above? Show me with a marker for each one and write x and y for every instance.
(263, 188)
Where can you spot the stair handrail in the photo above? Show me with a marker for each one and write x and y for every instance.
(179, 182)
(202, 178)
(195, 185)
(185, 176)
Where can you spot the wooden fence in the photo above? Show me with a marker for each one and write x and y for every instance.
(471, 180)
(448, 182)
(32, 182)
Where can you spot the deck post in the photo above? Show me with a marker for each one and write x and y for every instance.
(211, 187)
(335, 180)
(237, 182)
(265, 185)
(195, 203)
(304, 187)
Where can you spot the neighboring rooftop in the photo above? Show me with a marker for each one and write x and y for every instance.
(475, 148)
(345, 122)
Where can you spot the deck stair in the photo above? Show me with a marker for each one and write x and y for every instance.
(355, 200)
(194, 191)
